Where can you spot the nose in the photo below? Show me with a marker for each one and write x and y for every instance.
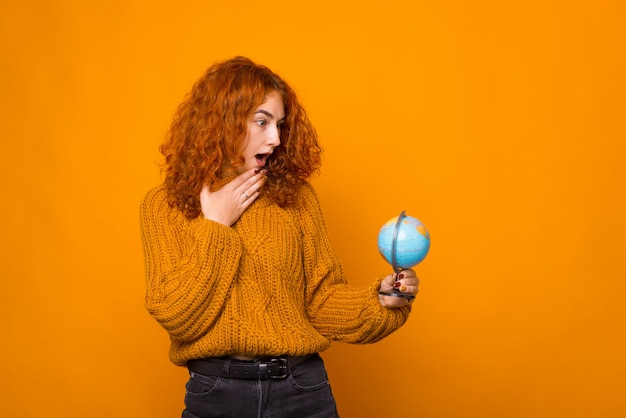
(273, 138)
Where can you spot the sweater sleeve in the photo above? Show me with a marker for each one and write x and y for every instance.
(338, 311)
(190, 266)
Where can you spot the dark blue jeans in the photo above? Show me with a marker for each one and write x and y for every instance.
(305, 393)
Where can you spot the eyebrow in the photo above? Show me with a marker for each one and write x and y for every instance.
(266, 113)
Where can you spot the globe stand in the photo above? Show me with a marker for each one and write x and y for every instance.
(397, 269)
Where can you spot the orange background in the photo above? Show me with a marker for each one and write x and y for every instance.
(499, 124)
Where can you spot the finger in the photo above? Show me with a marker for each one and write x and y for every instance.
(249, 200)
(405, 287)
(406, 273)
(388, 282)
(408, 277)
(411, 281)
(247, 179)
(410, 285)
(413, 290)
(251, 193)
(252, 186)
(243, 181)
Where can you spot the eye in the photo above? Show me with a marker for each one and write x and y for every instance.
(261, 122)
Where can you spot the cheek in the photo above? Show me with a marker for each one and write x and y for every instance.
(254, 141)
(245, 147)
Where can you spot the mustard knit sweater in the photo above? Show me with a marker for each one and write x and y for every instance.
(268, 285)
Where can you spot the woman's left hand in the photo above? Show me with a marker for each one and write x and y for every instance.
(407, 283)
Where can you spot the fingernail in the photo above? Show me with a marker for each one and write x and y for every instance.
(257, 170)
(401, 276)
(403, 289)
(397, 285)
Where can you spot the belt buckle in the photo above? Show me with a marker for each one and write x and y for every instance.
(282, 366)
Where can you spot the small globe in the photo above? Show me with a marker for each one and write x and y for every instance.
(412, 241)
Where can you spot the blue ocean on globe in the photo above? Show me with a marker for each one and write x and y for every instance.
(412, 242)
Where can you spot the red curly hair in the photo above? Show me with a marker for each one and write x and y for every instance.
(204, 140)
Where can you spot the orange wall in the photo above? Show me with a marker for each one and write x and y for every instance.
(499, 124)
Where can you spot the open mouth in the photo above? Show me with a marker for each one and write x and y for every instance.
(261, 159)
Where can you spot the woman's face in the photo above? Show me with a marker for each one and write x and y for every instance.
(263, 132)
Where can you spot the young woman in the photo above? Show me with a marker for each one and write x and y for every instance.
(239, 267)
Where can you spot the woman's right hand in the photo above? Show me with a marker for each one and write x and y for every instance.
(228, 203)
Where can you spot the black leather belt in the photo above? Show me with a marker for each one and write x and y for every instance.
(272, 368)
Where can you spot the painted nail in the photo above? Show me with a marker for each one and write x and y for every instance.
(401, 276)
(397, 285)
(403, 289)
(257, 170)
